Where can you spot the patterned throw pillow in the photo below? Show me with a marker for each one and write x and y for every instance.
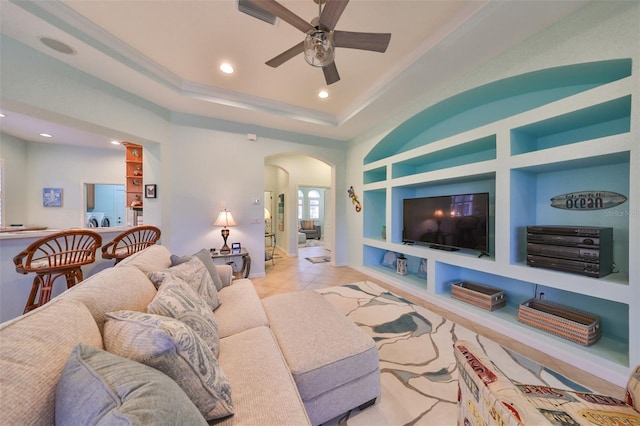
(205, 258)
(194, 273)
(98, 387)
(172, 347)
(177, 300)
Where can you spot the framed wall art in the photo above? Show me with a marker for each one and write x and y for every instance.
(52, 197)
(150, 191)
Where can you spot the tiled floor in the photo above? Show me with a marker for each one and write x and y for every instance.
(294, 274)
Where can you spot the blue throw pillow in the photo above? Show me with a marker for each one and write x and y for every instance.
(98, 387)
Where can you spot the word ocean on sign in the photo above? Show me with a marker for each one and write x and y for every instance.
(587, 200)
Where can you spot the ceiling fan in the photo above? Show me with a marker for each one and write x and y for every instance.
(321, 38)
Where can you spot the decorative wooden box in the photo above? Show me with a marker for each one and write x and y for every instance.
(480, 295)
(572, 324)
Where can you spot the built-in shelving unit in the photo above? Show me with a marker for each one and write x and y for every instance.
(522, 145)
(133, 187)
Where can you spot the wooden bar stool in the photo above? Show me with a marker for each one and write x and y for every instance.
(59, 254)
(130, 242)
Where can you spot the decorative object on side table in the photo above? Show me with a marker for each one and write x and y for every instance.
(480, 295)
(225, 219)
(572, 324)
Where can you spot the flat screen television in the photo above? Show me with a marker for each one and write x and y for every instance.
(449, 222)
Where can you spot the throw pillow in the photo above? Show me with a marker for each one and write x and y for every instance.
(390, 259)
(98, 387)
(194, 273)
(177, 300)
(172, 347)
(205, 258)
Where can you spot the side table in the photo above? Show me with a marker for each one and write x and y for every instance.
(228, 258)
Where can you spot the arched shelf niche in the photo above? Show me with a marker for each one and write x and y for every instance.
(495, 101)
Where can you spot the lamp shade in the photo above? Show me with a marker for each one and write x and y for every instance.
(225, 219)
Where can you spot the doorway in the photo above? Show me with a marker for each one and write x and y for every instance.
(285, 174)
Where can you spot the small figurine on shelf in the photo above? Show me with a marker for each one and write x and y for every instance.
(401, 265)
(137, 171)
(137, 202)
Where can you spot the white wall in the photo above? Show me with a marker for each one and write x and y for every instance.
(200, 165)
(212, 170)
(14, 153)
(32, 166)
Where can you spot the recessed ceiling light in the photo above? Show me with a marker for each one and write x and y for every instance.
(226, 68)
(2, 115)
(115, 142)
(58, 46)
(323, 94)
(46, 135)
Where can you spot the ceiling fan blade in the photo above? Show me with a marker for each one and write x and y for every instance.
(331, 73)
(376, 42)
(286, 55)
(331, 13)
(283, 13)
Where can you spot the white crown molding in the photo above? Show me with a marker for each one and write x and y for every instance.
(68, 20)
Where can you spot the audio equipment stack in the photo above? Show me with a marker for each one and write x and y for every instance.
(585, 250)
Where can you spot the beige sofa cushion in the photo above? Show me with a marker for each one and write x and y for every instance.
(240, 308)
(153, 258)
(33, 351)
(113, 289)
(264, 392)
(323, 348)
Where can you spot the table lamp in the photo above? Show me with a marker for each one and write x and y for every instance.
(225, 219)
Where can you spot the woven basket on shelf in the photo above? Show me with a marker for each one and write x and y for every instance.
(480, 295)
(572, 324)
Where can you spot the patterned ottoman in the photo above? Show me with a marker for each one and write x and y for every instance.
(334, 363)
(487, 397)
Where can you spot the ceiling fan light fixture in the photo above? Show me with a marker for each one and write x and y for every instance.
(319, 48)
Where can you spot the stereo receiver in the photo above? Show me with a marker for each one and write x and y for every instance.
(586, 250)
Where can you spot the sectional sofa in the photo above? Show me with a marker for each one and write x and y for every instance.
(165, 339)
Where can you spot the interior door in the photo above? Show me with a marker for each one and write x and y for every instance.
(119, 207)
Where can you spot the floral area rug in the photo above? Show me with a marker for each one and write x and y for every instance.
(418, 369)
